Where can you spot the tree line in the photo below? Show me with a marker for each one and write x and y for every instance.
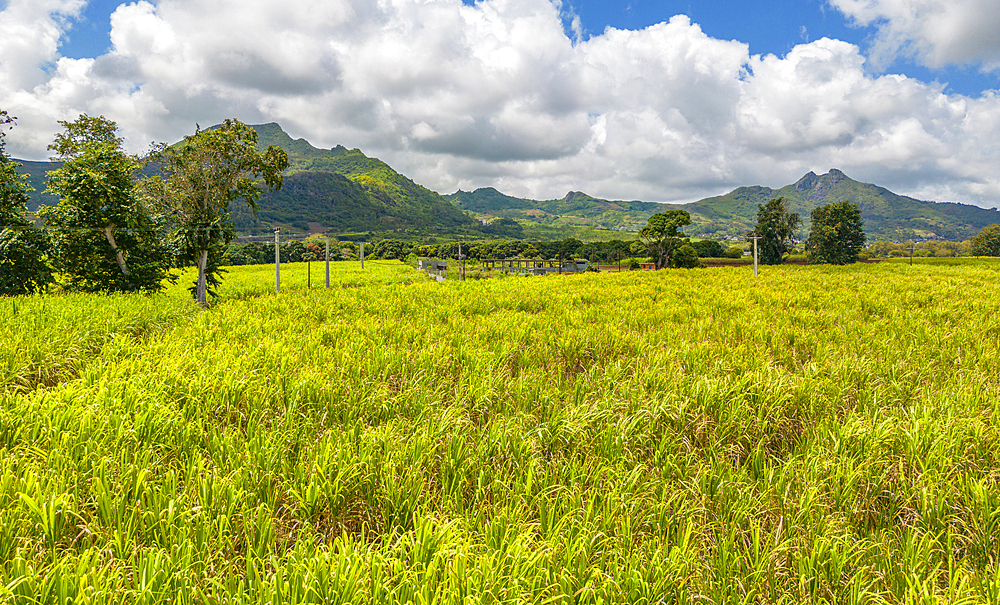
(123, 221)
(600, 252)
(836, 236)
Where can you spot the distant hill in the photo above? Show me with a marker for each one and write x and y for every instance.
(575, 209)
(886, 214)
(37, 172)
(337, 189)
(344, 191)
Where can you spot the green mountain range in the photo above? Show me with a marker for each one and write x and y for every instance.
(344, 191)
(340, 190)
(574, 210)
(886, 214)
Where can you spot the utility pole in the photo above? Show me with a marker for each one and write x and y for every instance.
(755, 238)
(277, 263)
(911, 253)
(460, 267)
(327, 262)
(362, 255)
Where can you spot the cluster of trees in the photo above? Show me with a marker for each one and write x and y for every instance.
(116, 229)
(606, 252)
(986, 243)
(669, 247)
(836, 235)
(596, 252)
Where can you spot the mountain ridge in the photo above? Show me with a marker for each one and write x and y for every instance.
(346, 191)
(887, 215)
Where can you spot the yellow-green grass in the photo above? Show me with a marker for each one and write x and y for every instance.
(822, 434)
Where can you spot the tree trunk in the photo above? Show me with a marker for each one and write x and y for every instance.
(202, 291)
(109, 231)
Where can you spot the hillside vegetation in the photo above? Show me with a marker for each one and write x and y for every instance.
(346, 191)
(887, 216)
(820, 435)
(575, 209)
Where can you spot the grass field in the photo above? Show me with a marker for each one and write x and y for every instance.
(820, 435)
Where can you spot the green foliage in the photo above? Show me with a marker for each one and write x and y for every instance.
(775, 227)
(204, 174)
(837, 234)
(707, 248)
(104, 237)
(391, 249)
(733, 252)
(82, 133)
(685, 257)
(662, 235)
(504, 227)
(987, 241)
(23, 267)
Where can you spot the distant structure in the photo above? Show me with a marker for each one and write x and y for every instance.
(434, 268)
(433, 265)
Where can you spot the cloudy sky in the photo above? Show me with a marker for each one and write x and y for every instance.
(654, 100)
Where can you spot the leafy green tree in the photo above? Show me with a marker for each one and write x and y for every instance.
(987, 241)
(775, 227)
(203, 175)
(104, 236)
(23, 267)
(707, 248)
(837, 234)
(662, 235)
(394, 249)
(685, 257)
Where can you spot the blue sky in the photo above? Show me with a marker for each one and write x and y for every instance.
(767, 26)
(680, 100)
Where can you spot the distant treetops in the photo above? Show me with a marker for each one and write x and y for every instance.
(987, 242)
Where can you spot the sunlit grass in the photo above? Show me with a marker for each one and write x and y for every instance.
(822, 434)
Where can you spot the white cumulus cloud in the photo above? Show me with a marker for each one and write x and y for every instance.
(500, 94)
(936, 32)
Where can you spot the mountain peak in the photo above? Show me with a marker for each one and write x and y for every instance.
(807, 182)
(572, 195)
(811, 181)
